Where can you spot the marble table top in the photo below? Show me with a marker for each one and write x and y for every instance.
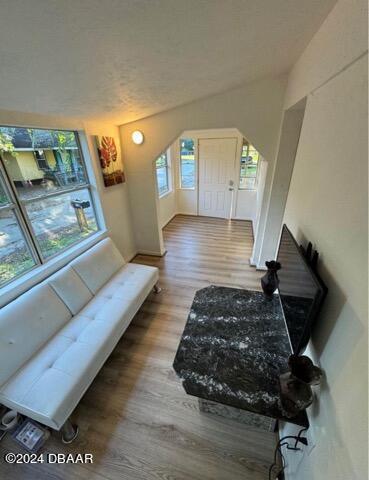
(234, 347)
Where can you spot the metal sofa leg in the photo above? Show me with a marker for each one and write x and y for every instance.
(157, 289)
(69, 432)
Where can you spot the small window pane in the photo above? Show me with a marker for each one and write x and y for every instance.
(42, 161)
(250, 170)
(162, 179)
(62, 220)
(248, 167)
(15, 257)
(187, 162)
(253, 155)
(245, 150)
(161, 161)
(162, 174)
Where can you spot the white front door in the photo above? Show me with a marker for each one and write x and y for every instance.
(216, 176)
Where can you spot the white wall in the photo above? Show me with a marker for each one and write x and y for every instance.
(327, 204)
(114, 200)
(246, 204)
(263, 168)
(254, 109)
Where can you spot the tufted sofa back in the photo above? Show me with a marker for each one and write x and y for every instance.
(26, 324)
(96, 266)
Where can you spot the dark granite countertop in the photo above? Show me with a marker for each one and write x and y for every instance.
(234, 347)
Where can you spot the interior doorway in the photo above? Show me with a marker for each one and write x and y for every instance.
(210, 173)
(217, 174)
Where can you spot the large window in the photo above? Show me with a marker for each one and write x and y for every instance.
(249, 167)
(187, 163)
(45, 199)
(162, 174)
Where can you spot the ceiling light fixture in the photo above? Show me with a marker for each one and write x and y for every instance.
(137, 137)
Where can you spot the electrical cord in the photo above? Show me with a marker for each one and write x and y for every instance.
(300, 438)
(278, 449)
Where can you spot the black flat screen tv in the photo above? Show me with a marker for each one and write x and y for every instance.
(301, 291)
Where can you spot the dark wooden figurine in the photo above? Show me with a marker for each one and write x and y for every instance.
(270, 281)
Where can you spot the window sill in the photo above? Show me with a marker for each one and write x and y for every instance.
(191, 189)
(39, 273)
(165, 194)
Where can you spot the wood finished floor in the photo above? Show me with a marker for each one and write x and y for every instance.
(135, 418)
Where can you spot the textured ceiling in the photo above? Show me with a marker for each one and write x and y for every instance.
(127, 59)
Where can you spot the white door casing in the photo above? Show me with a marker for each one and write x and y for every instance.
(217, 167)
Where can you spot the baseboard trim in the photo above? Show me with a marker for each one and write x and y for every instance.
(245, 219)
(171, 218)
(252, 262)
(258, 266)
(151, 253)
(132, 257)
(261, 268)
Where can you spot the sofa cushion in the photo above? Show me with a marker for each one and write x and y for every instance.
(70, 288)
(130, 281)
(98, 264)
(26, 324)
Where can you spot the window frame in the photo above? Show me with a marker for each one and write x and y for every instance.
(22, 225)
(167, 174)
(256, 176)
(194, 165)
(18, 205)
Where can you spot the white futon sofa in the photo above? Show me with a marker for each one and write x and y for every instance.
(55, 337)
